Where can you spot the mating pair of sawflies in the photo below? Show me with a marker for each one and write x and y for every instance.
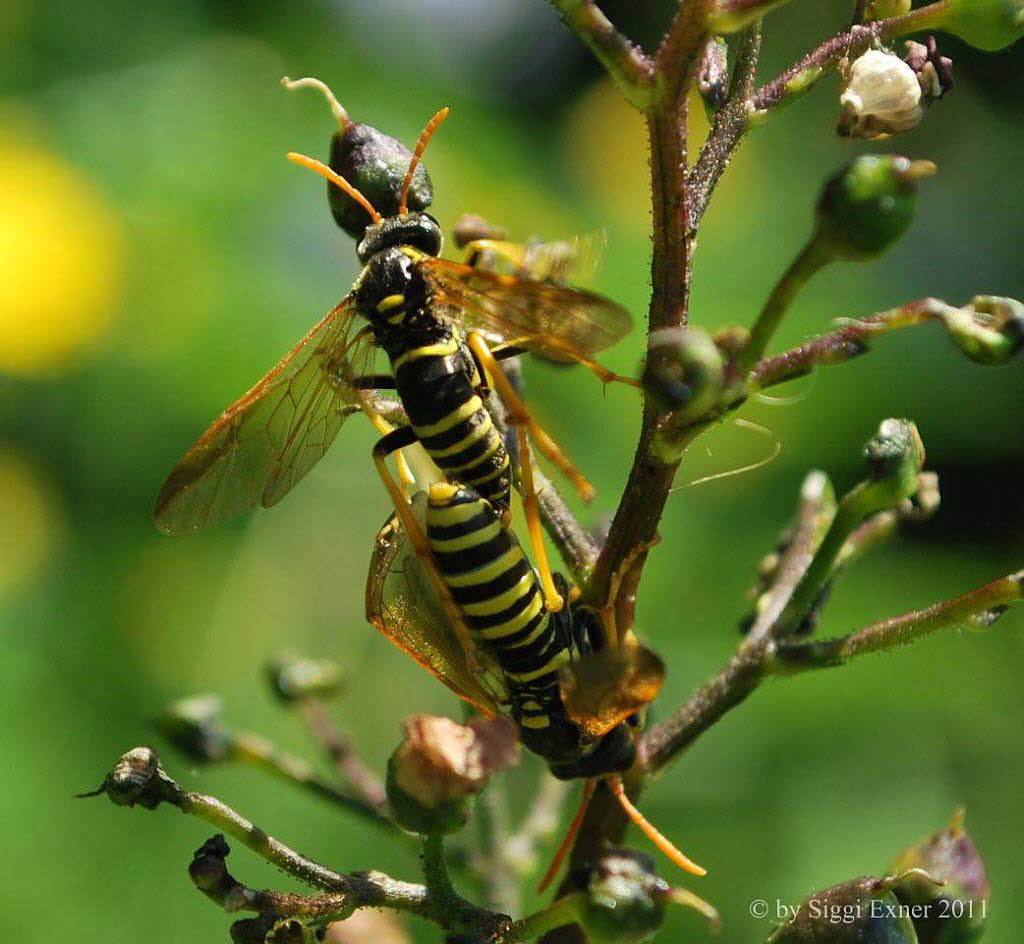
(448, 582)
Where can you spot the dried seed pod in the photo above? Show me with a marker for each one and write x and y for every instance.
(869, 204)
(955, 912)
(881, 95)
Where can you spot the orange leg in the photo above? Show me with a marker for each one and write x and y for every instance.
(531, 509)
(614, 782)
(608, 614)
(405, 476)
(519, 415)
(570, 836)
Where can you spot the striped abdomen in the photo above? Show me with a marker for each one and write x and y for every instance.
(499, 594)
(437, 382)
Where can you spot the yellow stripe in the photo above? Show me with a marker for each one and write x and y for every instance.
(448, 515)
(518, 623)
(476, 432)
(467, 541)
(428, 350)
(483, 457)
(543, 721)
(460, 413)
(482, 479)
(524, 585)
(555, 662)
(496, 568)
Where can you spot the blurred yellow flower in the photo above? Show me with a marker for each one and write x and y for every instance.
(606, 146)
(61, 259)
(31, 517)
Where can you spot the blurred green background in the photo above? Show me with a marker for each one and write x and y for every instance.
(157, 254)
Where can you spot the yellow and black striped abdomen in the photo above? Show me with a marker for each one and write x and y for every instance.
(499, 594)
(437, 384)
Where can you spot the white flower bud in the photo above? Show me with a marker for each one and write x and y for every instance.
(881, 96)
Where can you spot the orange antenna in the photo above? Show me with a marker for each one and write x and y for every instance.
(614, 782)
(570, 836)
(340, 115)
(421, 146)
(319, 167)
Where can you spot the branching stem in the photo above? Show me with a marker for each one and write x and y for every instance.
(757, 658)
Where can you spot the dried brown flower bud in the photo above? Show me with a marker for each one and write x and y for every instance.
(439, 764)
(934, 71)
(138, 780)
(469, 227)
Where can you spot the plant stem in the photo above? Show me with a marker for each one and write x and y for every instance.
(338, 748)
(624, 61)
(815, 510)
(560, 912)
(755, 659)
(987, 603)
(224, 818)
(850, 44)
(730, 125)
(811, 259)
(844, 344)
(255, 750)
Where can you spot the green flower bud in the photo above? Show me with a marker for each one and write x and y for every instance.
(193, 726)
(989, 330)
(869, 204)
(683, 371)
(732, 15)
(955, 912)
(884, 9)
(985, 24)
(293, 679)
(439, 765)
(373, 162)
(896, 454)
(413, 813)
(624, 900)
(861, 911)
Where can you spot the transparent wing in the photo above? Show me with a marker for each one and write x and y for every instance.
(555, 321)
(603, 689)
(262, 444)
(402, 605)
